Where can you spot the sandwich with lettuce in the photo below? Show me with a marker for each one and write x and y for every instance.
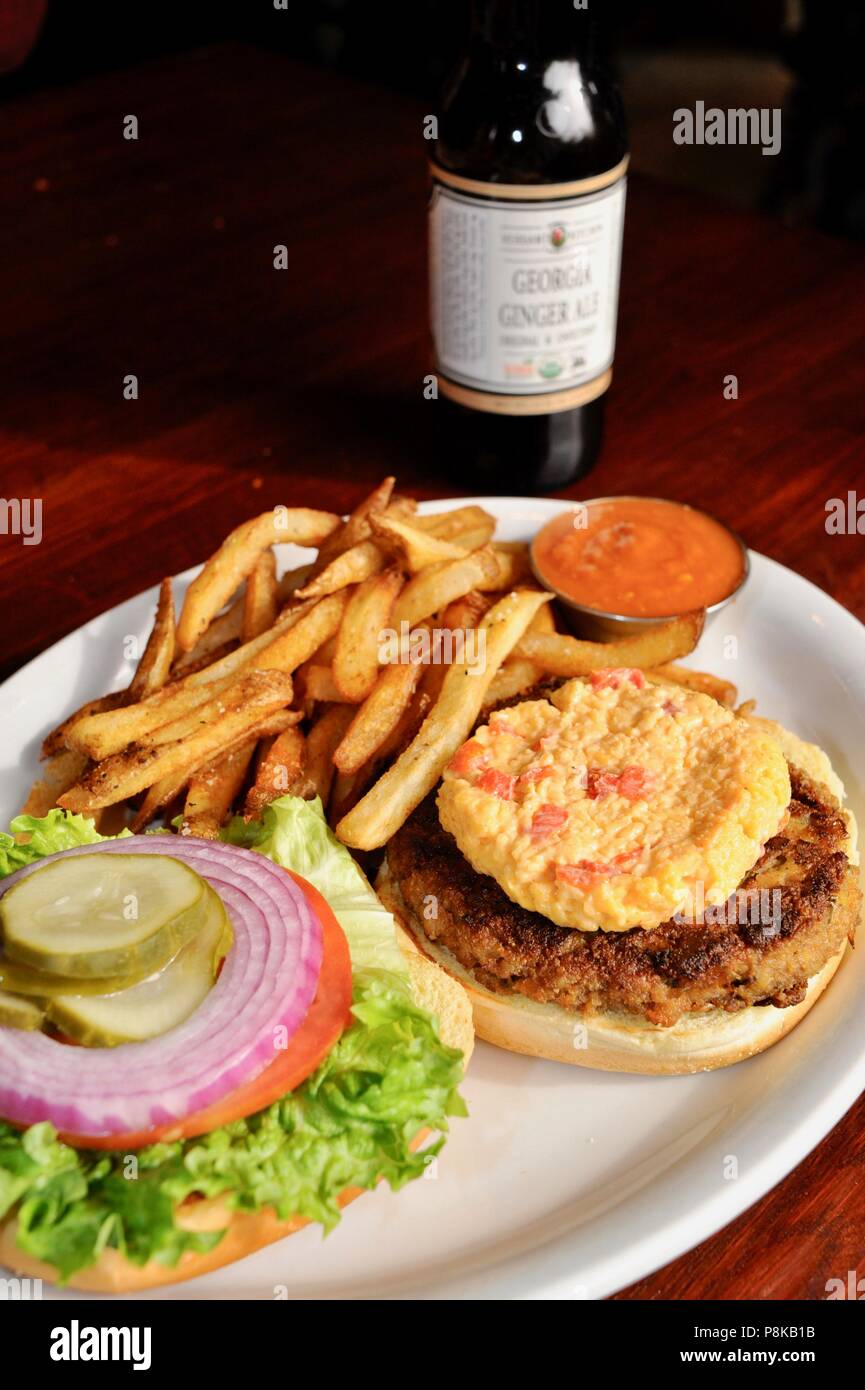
(205, 1045)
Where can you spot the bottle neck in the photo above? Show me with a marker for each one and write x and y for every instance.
(533, 28)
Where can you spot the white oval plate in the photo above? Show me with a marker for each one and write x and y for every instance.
(563, 1183)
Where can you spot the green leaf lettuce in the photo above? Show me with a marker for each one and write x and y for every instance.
(350, 1124)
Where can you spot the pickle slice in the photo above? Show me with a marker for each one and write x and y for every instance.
(96, 915)
(157, 1004)
(23, 979)
(19, 1013)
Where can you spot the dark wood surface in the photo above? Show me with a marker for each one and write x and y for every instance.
(260, 387)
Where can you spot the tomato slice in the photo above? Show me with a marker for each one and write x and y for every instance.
(325, 1021)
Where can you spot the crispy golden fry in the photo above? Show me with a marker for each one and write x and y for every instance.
(165, 791)
(223, 701)
(326, 652)
(222, 574)
(319, 686)
(378, 716)
(281, 772)
(472, 540)
(203, 662)
(351, 567)
(103, 733)
(414, 548)
(225, 629)
(746, 708)
(442, 584)
(212, 791)
(260, 604)
(513, 569)
(466, 612)
(346, 792)
(125, 774)
(385, 807)
(511, 680)
(298, 641)
(542, 623)
(449, 526)
(322, 741)
(291, 581)
(157, 797)
(356, 527)
(155, 663)
(55, 742)
(356, 656)
(558, 655)
(62, 770)
(703, 681)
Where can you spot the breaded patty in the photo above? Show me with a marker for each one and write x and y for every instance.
(604, 805)
(663, 973)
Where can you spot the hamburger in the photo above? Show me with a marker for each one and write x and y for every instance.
(627, 876)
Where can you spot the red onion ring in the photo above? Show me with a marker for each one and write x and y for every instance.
(267, 982)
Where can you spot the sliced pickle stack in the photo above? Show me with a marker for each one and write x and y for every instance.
(109, 948)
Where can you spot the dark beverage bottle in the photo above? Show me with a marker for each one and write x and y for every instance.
(526, 222)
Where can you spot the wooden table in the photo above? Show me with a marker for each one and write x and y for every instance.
(258, 387)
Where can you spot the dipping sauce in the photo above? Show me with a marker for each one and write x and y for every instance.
(641, 557)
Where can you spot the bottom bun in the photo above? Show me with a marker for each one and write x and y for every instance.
(612, 1041)
(246, 1232)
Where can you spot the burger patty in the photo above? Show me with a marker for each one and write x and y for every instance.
(763, 951)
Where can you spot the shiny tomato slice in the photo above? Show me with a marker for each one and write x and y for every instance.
(325, 1021)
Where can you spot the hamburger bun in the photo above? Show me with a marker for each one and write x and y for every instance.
(608, 1041)
(245, 1232)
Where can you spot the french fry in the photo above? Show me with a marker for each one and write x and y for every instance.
(212, 790)
(55, 742)
(558, 655)
(260, 597)
(319, 686)
(226, 700)
(106, 732)
(702, 681)
(221, 575)
(62, 770)
(378, 716)
(125, 774)
(291, 581)
(302, 638)
(473, 539)
(356, 527)
(466, 612)
(326, 652)
(322, 741)
(542, 623)
(350, 567)
(155, 663)
(356, 654)
(372, 821)
(513, 568)
(280, 773)
(414, 548)
(448, 526)
(441, 584)
(224, 629)
(346, 792)
(511, 680)
(164, 792)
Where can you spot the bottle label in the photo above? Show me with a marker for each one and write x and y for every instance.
(525, 290)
